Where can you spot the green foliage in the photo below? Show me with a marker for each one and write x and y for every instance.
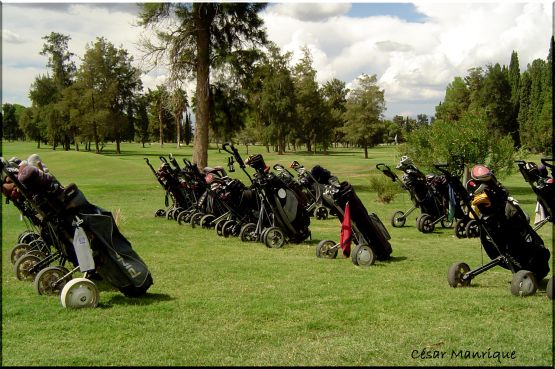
(384, 187)
(364, 109)
(470, 138)
(10, 126)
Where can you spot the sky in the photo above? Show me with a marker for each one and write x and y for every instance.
(414, 49)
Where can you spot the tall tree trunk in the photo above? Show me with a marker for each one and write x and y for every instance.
(203, 16)
(178, 129)
(160, 121)
(365, 150)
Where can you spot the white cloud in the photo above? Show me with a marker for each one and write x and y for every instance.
(414, 62)
(310, 12)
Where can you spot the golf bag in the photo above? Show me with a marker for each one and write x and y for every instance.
(81, 233)
(505, 234)
(543, 186)
(369, 229)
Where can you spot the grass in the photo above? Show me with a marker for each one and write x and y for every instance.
(219, 301)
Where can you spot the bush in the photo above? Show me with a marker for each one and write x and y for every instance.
(384, 187)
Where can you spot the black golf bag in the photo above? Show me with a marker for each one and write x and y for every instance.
(68, 220)
(544, 188)
(282, 214)
(286, 202)
(505, 234)
(369, 227)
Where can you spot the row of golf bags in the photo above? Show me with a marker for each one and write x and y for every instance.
(432, 195)
(274, 209)
(66, 235)
(495, 217)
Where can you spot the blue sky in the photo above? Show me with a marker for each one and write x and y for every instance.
(406, 11)
(414, 49)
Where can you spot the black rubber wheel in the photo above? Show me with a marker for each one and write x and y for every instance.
(455, 274)
(321, 213)
(248, 233)
(28, 237)
(446, 223)
(195, 219)
(18, 251)
(327, 249)
(460, 228)
(274, 238)
(227, 229)
(472, 229)
(169, 214)
(160, 213)
(398, 219)
(524, 283)
(363, 255)
(23, 265)
(549, 288)
(425, 223)
(49, 280)
(182, 216)
(206, 221)
(219, 227)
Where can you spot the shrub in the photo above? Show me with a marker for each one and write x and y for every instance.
(384, 187)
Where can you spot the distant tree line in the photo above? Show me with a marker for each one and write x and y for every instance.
(250, 92)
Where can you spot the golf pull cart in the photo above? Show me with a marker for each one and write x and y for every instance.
(282, 217)
(505, 235)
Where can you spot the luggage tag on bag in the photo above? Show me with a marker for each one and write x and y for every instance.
(82, 248)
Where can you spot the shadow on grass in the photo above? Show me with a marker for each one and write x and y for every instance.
(147, 299)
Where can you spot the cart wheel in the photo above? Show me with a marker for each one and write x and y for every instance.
(523, 283)
(206, 221)
(363, 256)
(49, 280)
(549, 288)
(446, 223)
(274, 238)
(248, 233)
(176, 212)
(321, 213)
(23, 265)
(160, 213)
(263, 234)
(195, 219)
(79, 293)
(28, 237)
(460, 228)
(227, 229)
(327, 249)
(18, 251)
(169, 214)
(425, 224)
(41, 255)
(182, 216)
(219, 227)
(236, 229)
(398, 219)
(455, 274)
(472, 229)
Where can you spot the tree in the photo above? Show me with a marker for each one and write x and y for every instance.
(10, 126)
(159, 110)
(309, 104)
(196, 38)
(276, 99)
(178, 105)
(59, 59)
(457, 100)
(469, 137)
(109, 83)
(46, 91)
(187, 129)
(365, 107)
(335, 97)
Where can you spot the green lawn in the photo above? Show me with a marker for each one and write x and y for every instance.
(219, 301)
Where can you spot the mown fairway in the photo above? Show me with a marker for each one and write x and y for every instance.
(219, 301)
